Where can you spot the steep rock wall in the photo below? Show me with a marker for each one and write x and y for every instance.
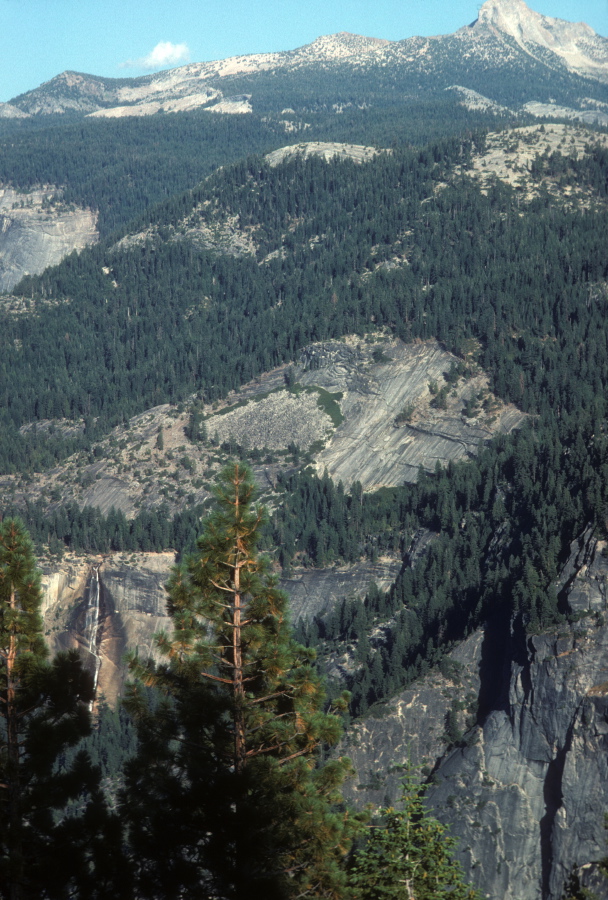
(314, 592)
(526, 789)
(411, 729)
(527, 796)
(35, 234)
(132, 608)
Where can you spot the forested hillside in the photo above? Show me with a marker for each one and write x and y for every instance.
(122, 167)
(402, 242)
(510, 281)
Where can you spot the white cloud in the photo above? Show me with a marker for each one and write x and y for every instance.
(164, 54)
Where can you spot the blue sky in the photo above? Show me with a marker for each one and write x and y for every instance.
(120, 38)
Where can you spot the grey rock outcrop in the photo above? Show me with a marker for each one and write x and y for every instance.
(527, 796)
(35, 234)
(375, 382)
(583, 581)
(8, 111)
(108, 493)
(274, 422)
(591, 878)
(409, 731)
(314, 592)
(357, 152)
(370, 446)
(365, 382)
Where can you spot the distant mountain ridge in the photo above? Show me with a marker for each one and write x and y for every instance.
(507, 35)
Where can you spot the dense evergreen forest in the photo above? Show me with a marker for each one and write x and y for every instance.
(123, 167)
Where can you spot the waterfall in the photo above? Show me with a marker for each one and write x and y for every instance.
(91, 622)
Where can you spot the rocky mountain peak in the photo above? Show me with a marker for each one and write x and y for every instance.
(577, 44)
(554, 43)
(515, 18)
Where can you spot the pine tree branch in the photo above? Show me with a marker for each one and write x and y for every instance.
(216, 678)
(305, 752)
(285, 693)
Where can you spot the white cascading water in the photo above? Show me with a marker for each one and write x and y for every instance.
(91, 622)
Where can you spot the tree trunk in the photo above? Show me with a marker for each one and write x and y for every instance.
(237, 678)
(12, 747)
(237, 652)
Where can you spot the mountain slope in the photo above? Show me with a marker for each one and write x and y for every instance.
(510, 65)
(494, 246)
(299, 252)
(116, 366)
(507, 37)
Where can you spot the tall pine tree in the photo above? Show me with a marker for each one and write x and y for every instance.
(229, 755)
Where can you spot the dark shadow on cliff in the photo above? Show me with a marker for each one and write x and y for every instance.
(494, 667)
(553, 797)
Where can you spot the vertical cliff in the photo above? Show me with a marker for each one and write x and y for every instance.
(527, 796)
(525, 789)
(130, 604)
(37, 231)
(108, 605)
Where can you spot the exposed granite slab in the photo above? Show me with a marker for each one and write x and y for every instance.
(35, 234)
(370, 446)
(313, 592)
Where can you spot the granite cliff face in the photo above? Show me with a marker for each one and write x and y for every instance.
(527, 797)
(526, 789)
(131, 609)
(131, 604)
(411, 729)
(575, 44)
(37, 231)
(314, 592)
